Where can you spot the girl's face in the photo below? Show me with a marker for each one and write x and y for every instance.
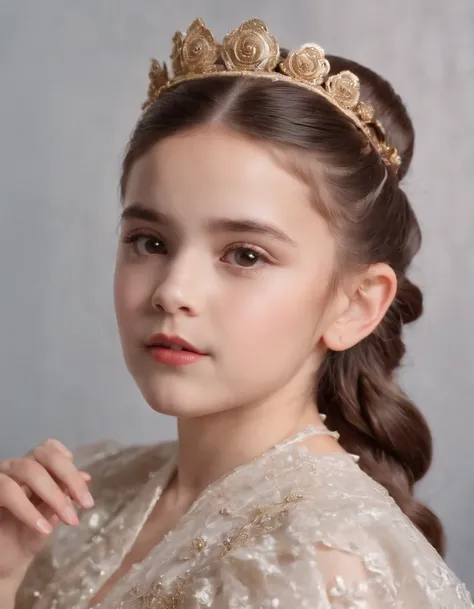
(221, 247)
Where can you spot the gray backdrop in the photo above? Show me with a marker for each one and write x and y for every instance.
(72, 78)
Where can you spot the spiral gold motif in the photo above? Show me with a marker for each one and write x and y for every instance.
(199, 50)
(344, 88)
(250, 47)
(252, 51)
(307, 64)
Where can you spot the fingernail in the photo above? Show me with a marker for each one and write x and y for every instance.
(63, 448)
(87, 500)
(70, 515)
(44, 527)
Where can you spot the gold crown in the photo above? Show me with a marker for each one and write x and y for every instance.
(251, 51)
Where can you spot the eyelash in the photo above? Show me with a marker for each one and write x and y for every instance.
(133, 238)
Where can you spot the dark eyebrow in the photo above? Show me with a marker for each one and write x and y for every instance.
(250, 226)
(139, 211)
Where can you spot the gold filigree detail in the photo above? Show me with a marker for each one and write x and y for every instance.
(293, 497)
(392, 155)
(250, 50)
(198, 545)
(344, 88)
(176, 53)
(155, 597)
(389, 152)
(263, 520)
(365, 112)
(158, 78)
(250, 47)
(199, 50)
(306, 64)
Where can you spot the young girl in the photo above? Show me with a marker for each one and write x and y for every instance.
(261, 290)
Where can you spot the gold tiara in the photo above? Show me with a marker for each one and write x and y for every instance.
(251, 51)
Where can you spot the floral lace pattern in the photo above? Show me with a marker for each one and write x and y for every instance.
(289, 529)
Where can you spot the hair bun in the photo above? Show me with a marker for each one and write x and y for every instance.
(388, 105)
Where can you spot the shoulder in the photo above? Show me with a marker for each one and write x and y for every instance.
(361, 544)
(343, 508)
(341, 541)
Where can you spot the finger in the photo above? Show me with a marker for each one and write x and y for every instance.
(59, 446)
(32, 474)
(84, 475)
(48, 513)
(14, 500)
(66, 474)
(37, 502)
(53, 444)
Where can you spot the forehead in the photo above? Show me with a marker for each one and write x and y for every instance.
(213, 171)
(209, 157)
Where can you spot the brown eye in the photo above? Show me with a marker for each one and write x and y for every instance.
(246, 257)
(243, 256)
(146, 245)
(150, 245)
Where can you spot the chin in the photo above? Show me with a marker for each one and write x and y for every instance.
(176, 397)
(178, 392)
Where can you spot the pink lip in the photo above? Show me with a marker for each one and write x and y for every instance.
(173, 340)
(174, 358)
(163, 355)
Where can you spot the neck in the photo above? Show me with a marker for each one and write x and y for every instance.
(212, 446)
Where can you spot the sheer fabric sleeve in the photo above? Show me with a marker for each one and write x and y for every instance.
(46, 562)
(343, 568)
(270, 576)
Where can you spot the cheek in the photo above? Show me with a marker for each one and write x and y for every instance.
(279, 316)
(131, 289)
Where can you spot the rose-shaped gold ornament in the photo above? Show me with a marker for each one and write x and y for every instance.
(365, 112)
(306, 64)
(250, 47)
(344, 88)
(199, 49)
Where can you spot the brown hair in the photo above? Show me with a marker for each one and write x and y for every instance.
(374, 221)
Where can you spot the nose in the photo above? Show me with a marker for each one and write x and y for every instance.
(180, 288)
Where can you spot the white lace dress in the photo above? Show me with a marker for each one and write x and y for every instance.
(289, 530)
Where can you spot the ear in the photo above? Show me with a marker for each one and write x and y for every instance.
(364, 309)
